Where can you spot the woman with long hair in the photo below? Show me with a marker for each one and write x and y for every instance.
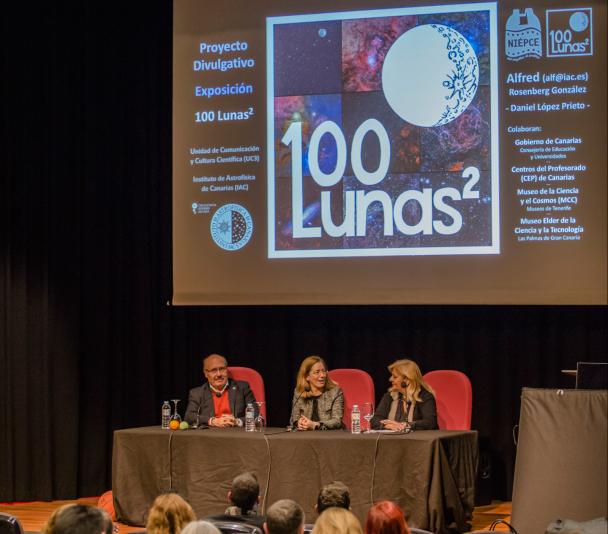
(318, 402)
(169, 514)
(386, 517)
(409, 403)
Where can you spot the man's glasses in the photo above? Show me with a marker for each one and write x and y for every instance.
(217, 370)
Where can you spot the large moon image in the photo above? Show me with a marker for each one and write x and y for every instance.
(430, 75)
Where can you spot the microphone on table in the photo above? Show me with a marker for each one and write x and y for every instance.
(341, 394)
(408, 405)
(293, 425)
(198, 415)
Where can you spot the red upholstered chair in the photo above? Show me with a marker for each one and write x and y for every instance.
(358, 388)
(256, 383)
(106, 502)
(454, 397)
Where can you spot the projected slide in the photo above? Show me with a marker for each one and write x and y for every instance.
(414, 153)
(384, 141)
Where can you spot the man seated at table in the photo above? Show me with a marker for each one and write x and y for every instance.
(284, 517)
(244, 495)
(219, 402)
(335, 494)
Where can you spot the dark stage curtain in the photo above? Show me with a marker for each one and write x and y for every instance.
(87, 341)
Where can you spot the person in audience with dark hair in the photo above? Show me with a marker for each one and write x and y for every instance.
(284, 517)
(220, 401)
(409, 402)
(244, 496)
(78, 519)
(318, 402)
(337, 521)
(334, 494)
(169, 514)
(386, 517)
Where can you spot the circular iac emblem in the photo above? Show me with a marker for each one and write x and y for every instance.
(231, 227)
(430, 75)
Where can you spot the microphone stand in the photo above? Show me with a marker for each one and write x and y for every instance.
(293, 425)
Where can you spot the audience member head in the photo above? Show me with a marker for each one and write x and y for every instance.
(169, 514)
(245, 492)
(78, 519)
(333, 494)
(201, 527)
(337, 521)
(386, 517)
(284, 517)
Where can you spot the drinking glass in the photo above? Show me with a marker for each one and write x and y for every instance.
(260, 422)
(175, 416)
(368, 414)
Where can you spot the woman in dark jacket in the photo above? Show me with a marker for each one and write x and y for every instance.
(409, 403)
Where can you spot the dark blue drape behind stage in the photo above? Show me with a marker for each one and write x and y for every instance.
(87, 341)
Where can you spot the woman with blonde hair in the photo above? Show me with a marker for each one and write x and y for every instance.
(409, 403)
(169, 514)
(337, 521)
(318, 402)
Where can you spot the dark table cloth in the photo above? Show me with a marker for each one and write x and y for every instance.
(430, 474)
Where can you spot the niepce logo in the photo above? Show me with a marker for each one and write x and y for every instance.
(373, 153)
(569, 32)
(523, 37)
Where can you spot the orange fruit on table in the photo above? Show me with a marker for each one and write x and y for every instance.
(174, 424)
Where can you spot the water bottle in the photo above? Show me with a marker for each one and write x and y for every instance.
(249, 418)
(165, 413)
(355, 420)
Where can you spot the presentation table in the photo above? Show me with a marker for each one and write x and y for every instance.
(430, 474)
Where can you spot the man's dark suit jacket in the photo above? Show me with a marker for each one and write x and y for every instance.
(239, 395)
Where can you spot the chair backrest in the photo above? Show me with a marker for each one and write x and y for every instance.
(454, 398)
(256, 383)
(229, 527)
(106, 502)
(358, 388)
(9, 524)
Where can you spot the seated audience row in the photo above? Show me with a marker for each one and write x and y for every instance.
(318, 401)
(286, 517)
(171, 514)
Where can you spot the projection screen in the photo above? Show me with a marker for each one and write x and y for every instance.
(357, 152)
